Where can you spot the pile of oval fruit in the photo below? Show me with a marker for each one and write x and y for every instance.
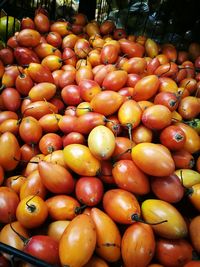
(99, 146)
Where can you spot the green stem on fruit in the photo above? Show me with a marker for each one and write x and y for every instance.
(16, 178)
(165, 71)
(115, 158)
(135, 217)
(2, 87)
(26, 110)
(31, 207)
(86, 108)
(117, 63)
(129, 126)
(24, 239)
(22, 75)
(25, 65)
(78, 210)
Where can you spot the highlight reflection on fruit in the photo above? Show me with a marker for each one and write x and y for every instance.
(99, 144)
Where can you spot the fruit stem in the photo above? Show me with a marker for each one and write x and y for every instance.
(129, 126)
(117, 63)
(115, 158)
(23, 256)
(24, 239)
(25, 161)
(165, 71)
(31, 207)
(2, 87)
(26, 110)
(22, 75)
(87, 108)
(135, 217)
(25, 65)
(78, 210)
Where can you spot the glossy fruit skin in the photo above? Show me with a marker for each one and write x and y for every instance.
(151, 48)
(42, 23)
(135, 65)
(122, 150)
(106, 172)
(30, 167)
(101, 142)
(39, 73)
(28, 38)
(194, 196)
(57, 228)
(73, 138)
(38, 109)
(33, 185)
(167, 70)
(121, 205)
(9, 202)
(142, 134)
(129, 177)
(71, 95)
(194, 233)
(49, 122)
(11, 99)
(43, 247)
(151, 117)
(168, 188)
(101, 73)
(189, 107)
(115, 80)
(9, 237)
(109, 54)
(4, 115)
(32, 211)
(173, 137)
(154, 211)
(168, 99)
(89, 190)
(106, 102)
(138, 245)
(10, 74)
(62, 207)
(42, 91)
(173, 253)
(146, 88)
(24, 55)
(192, 143)
(9, 125)
(159, 164)
(56, 178)
(6, 56)
(130, 113)
(44, 49)
(107, 27)
(80, 235)
(108, 236)
(54, 39)
(23, 84)
(132, 49)
(30, 130)
(96, 262)
(56, 157)
(188, 177)
(183, 159)
(76, 154)
(15, 182)
(49, 143)
(10, 151)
